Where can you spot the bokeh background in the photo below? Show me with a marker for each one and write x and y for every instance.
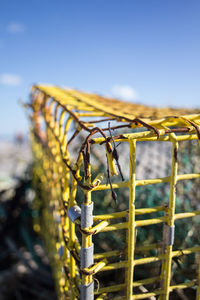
(138, 50)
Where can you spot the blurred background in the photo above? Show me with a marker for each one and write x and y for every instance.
(140, 50)
(136, 50)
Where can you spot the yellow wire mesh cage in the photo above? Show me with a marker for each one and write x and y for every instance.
(94, 207)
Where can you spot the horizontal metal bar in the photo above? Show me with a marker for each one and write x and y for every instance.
(143, 182)
(116, 288)
(139, 211)
(148, 247)
(154, 221)
(114, 266)
(92, 114)
(116, 215)
(123, 252)
(177, 253)
(150, 210)
(115, 227)
(159, 292)
(186, 251)
(115, 185)
(119, 287)
(183, 285)
(187, 215)
(108, 254)
(141, 223)
(110, 289)
(149, 136)
(148, 222)
(146, 260)
(188, 176)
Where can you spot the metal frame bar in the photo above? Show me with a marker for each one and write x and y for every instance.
(74, 271)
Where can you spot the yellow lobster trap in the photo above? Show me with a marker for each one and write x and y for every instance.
(85, 174)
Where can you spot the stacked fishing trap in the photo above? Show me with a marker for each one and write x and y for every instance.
(113, 231)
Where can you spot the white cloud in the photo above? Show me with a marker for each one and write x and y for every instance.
(15, 27)
(10, 79)
(124, 92)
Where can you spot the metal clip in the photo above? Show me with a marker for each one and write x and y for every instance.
(86, 215)
(168, 235)
(87, 291)
(87, 258)
(74, 212)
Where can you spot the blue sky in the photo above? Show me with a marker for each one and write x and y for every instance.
(143, 50)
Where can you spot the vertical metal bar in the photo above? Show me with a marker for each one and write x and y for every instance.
(64, 139)
(87, 280)
(131, 226)
(72, 202)
(65, 193)
(170, 223)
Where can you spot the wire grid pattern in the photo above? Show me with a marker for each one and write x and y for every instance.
(75, 264)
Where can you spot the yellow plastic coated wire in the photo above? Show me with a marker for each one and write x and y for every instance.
(57, 117)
